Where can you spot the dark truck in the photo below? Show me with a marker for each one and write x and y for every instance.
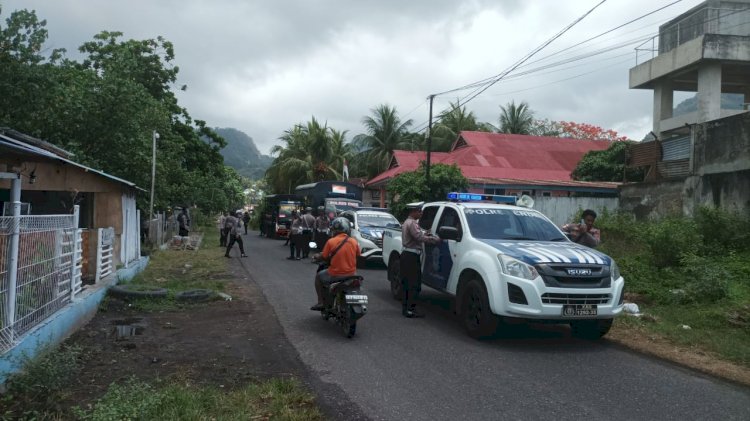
(277, 214)
(334, 196)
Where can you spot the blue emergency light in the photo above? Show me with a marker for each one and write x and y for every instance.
(475, 197)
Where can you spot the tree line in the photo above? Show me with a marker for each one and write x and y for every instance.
(105, 108)
(312, 151)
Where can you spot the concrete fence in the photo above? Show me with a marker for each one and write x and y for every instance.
(562, 209)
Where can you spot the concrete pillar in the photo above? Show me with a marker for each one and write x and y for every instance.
(663, 103)
(709, 91)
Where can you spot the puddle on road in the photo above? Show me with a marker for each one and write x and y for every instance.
(126, 328)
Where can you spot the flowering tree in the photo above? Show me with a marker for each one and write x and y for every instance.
(587, 131)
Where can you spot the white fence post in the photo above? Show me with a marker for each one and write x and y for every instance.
(15, 199)
(98, 275)
(74, 253)
(126, 234)
(138, 232)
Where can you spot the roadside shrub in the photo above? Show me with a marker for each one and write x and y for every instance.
(38, 386)
(706, 280)
(639, 275)
(669, 239)
(722, 230)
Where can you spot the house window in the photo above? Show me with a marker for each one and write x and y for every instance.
(375, 194)
(546, 194)
(526, 192)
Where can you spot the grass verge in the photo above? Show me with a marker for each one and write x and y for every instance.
(179, 270)
(279, 399)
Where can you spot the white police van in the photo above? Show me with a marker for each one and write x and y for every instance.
(501, 261)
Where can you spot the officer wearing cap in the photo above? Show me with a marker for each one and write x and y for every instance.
(412, 238)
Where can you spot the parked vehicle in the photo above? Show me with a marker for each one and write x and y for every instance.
(344, 302)
(277, 214)
(334, 196)
(368, 225)
(502, 262)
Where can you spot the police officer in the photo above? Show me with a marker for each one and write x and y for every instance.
(322, 223)
(412, 238)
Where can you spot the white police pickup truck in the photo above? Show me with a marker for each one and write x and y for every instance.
(500, 261)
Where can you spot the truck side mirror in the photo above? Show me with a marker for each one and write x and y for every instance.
(449, 233)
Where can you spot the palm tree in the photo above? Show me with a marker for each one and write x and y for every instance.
(518, 119)
(306, 156)
(385, 133)
(451, 124)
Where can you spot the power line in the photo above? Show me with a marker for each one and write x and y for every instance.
(477, 91)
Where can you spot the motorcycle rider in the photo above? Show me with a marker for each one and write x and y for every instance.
(341, 252)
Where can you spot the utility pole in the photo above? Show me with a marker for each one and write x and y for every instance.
(154, 136)
(429, 143)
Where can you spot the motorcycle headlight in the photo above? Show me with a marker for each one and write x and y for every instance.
(517, 268)
(615, 271)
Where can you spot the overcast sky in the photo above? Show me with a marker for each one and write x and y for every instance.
(263, 66)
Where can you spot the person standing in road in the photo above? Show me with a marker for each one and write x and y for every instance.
(307, 223)
(412, 238)
(222, 230)
(322, 223)
(235, 235)
(246, 220)
(293, 237)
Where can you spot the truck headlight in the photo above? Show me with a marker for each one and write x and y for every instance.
(517, 268)
(615, 271)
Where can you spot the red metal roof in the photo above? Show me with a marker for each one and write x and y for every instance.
(501, 156)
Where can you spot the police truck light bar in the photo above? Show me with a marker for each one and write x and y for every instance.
(474, 197)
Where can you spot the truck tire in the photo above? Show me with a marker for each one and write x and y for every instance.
(394, 277)
(590, 329)
(476, 316)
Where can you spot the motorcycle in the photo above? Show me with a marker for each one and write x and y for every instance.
(344, 301)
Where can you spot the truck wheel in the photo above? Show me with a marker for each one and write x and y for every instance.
(590, 329)
(476, 315)
(394, 276)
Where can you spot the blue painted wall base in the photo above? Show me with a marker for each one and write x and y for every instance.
(65, 322)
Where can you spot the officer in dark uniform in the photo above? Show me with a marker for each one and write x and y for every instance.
(412, 238)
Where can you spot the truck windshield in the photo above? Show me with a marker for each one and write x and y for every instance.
(285, 210)
(381, 220)
(511, 224)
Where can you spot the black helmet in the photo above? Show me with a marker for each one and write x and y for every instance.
(340, 225)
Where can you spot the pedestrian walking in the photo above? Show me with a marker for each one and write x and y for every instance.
(412, 238)
(235, 235)
(184, 222)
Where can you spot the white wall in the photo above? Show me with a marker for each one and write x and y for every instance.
(561, 209)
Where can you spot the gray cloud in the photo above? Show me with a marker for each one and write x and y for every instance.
(262, 66)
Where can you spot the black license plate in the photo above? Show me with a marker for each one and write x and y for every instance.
(579, 310)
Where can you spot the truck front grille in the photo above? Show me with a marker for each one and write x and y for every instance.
(554, 298)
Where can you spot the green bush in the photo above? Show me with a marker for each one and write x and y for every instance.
(721, 230)
(669, 239)
(706, 279)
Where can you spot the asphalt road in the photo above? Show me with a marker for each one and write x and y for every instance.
(429, 369)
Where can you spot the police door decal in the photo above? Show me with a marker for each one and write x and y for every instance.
(437, 265)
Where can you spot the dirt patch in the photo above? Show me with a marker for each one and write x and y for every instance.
(696, 359)
(223, 343)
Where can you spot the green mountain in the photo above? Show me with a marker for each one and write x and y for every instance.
(728, 102)
(242, 154)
